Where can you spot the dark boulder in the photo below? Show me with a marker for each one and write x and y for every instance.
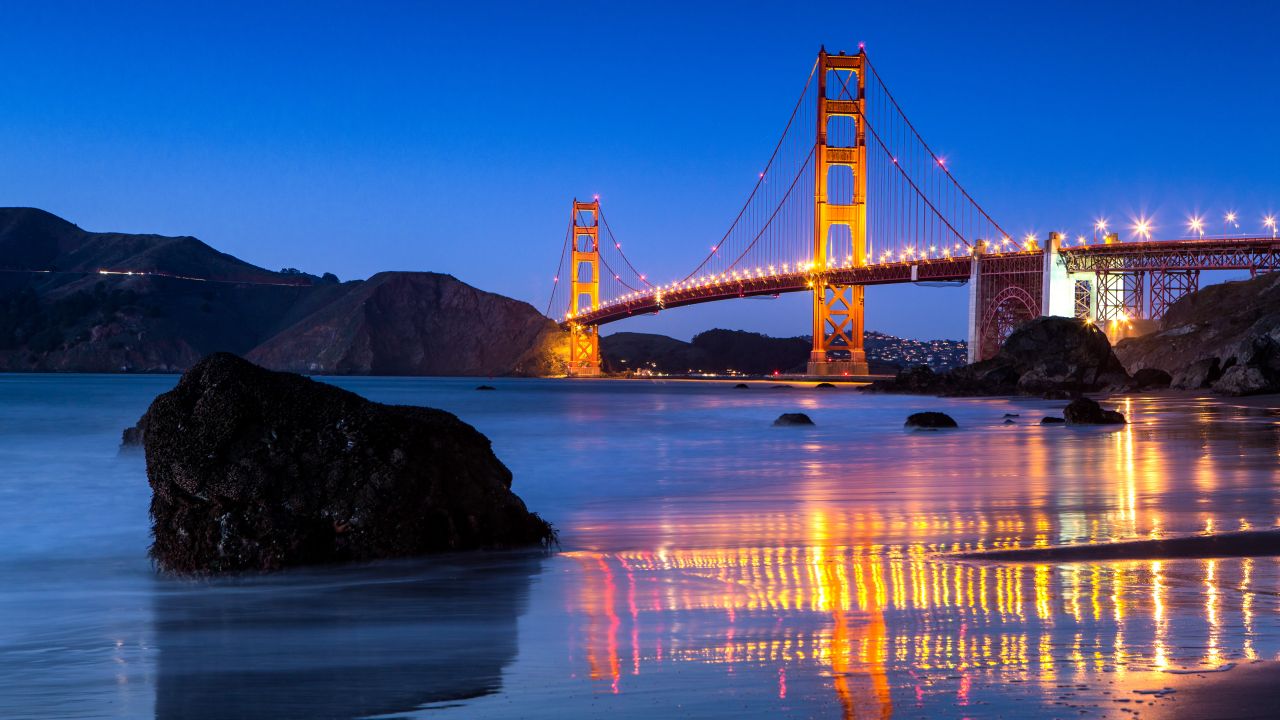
(1045, 356)
(790, 419)
(1244, 380)
(930, 421)
(1010, 421)
(918, 380)
(1049, 420)
(252, 469)
(1083, 411)
(1062, 355)
(1151, 379)
(134, 437)
(485, 387)
(824, 386)
(742, 386)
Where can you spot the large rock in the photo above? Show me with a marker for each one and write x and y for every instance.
(1083, 411)
(1225, 337)
(1054, 356)
(252, 469)
(930, 421)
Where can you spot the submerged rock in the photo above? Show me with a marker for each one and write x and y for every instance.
(825, 386)
(786, 419)
(930, 421)
(252, 469)
(486, 387)
(1050, 420)
(742, 386)
(1083, 411)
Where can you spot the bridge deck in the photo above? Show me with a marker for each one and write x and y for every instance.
(1202, 254)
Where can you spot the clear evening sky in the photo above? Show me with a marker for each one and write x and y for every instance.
(358, 137)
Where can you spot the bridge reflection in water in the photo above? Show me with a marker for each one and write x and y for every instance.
(865, 604)
(875, 618)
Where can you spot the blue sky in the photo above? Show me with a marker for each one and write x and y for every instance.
(358, 137)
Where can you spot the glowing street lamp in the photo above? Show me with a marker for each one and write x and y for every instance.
(1197, 225)
(1142, 228)
(1270, 222)
(1230, 217)
(1099, 227)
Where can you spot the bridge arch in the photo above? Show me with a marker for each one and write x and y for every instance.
(1010, 307)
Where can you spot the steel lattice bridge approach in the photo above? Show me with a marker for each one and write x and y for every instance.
(853, 196)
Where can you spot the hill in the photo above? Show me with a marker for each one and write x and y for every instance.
(78, 301)
(724, 352)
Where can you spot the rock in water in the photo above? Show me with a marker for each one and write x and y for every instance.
(792, 419)
(1083, 411)
(252, 469)
(133, 437)
(1050, 420)
(930, 421)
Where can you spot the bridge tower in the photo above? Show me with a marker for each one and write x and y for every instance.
(838, 309)
(584, 286)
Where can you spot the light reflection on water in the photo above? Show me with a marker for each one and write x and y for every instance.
(712, 564)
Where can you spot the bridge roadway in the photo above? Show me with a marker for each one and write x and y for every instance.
(1253, 253)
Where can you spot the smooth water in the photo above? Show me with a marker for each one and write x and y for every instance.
(712, 565)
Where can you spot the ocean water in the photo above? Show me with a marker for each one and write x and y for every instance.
(711, 565)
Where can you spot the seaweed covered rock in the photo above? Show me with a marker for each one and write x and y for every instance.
(252, 469)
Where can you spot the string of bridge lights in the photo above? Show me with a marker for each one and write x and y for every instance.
(1141, 228)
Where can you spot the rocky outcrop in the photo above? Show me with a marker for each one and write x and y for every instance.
(1083, 411)
(930, 421)
(1151, 379)
(252, 469)
(792, 419)
(1224, 337)
(1046, 356)
(134, 437)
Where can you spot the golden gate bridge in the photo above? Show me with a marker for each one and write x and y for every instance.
(852, 196)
